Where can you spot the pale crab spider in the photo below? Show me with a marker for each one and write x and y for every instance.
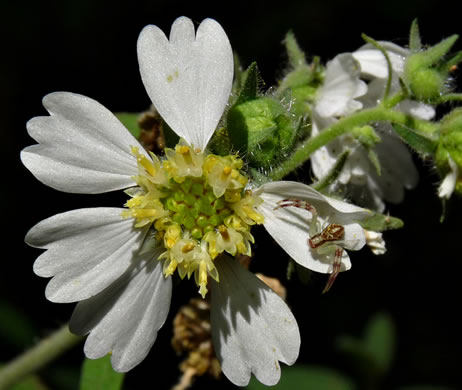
(325, 240)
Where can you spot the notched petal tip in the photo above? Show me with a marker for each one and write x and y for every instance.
(252, 327)
(188, 77)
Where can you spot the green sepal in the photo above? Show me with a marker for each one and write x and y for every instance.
(99, 375)
(366, 136)
(426, 72)
(130, 121)
(453, 61)
(374, 159)
(295, 55)
(434, 54)
(251, 80)
(420, 143)
(415, 43)
(220, 143)
(301, 78)
(380, 222)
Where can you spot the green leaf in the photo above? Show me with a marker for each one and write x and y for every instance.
(381, 222)
(416, 141)
(30, 383)
(372, 354)
(379, 340)
(302, 377)
(130, 121)
(99, 375)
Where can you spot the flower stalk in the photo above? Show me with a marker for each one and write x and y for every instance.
(38, 357)
(343, 126)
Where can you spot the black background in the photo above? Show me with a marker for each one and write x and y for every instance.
(89, 47)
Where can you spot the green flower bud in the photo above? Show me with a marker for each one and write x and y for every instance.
(366, 135)
(426, 72)
(427, 84)
(448, 156)
(262, 128)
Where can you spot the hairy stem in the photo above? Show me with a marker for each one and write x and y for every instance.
(37, 357)
(361, 118)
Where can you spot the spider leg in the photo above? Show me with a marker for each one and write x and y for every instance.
(336, 268)
(293, 202)
(301, 204)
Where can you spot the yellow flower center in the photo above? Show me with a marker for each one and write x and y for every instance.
(197, 207)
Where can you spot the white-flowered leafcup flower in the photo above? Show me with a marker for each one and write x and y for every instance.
(360, 178)
(337, 98)
(314, 229)
(187, 213)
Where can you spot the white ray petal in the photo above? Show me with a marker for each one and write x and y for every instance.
(341, 86)
(87, 250)
(188, 78)
(289, 226)
(417, 109)
(124, 319)
(83, 148)
(449, 182)
(324, 204)
(373, 62)
(252, 327)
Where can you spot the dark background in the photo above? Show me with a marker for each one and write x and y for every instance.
(89, 47)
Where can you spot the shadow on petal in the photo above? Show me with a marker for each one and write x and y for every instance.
(252, 327)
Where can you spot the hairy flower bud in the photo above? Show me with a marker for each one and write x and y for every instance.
(426, 72)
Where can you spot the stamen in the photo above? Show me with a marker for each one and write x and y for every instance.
(224, 232)
(183, 149)
(188, 247)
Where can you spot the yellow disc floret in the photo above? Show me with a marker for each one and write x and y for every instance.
(197, 207)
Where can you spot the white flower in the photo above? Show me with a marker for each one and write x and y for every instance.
(448, 184)
(359, 177)
(182, 210)
(299, 218)
(338, 95)
(375, 242)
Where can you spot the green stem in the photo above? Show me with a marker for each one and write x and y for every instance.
(37, 357)
(394, 100)
(361, 118)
